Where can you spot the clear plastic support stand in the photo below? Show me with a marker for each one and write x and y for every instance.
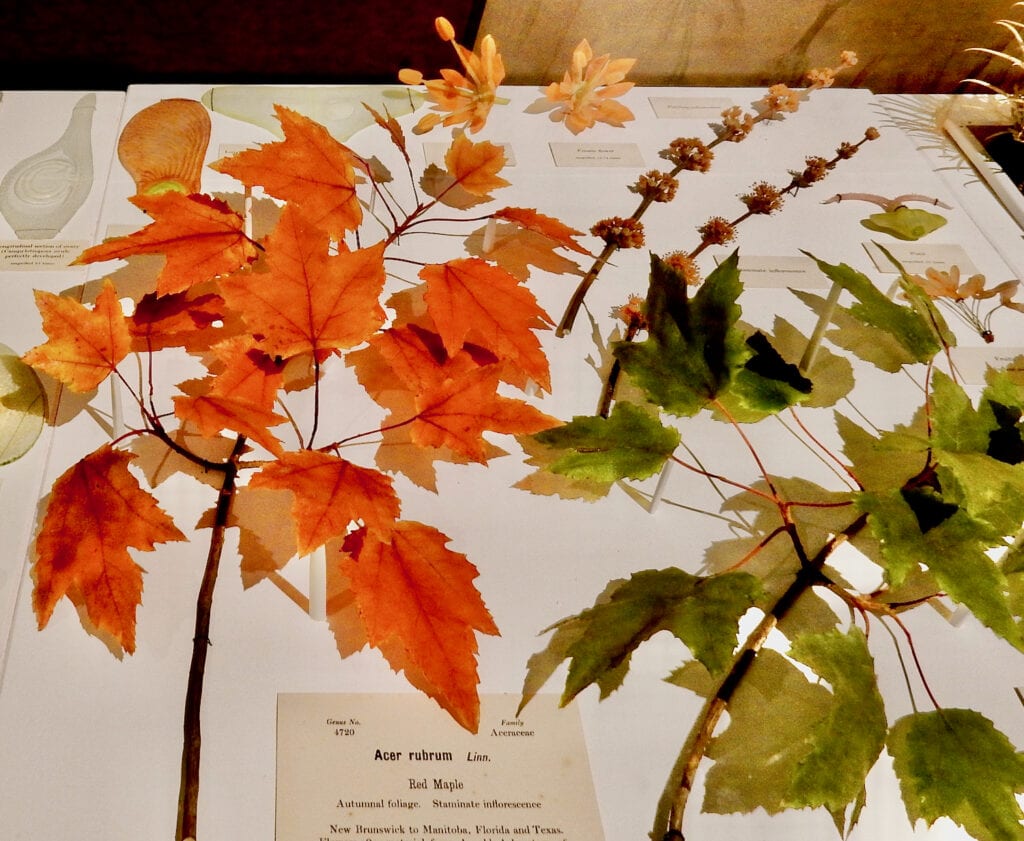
(318, 585)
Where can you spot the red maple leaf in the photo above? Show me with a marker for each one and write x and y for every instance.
(201, 237)
(416, 597)
(309, 169)
(550, 227)
(84, 345)
(96, 512)
(475, 166)
(471, 299)
(457, 412)
(329, 493)
(309, 301)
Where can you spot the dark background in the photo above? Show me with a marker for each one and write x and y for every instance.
(66, 45)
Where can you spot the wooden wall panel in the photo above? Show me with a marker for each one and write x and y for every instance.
(904, 46)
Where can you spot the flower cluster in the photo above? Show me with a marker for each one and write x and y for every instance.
(763, 198)
(685, 266)
(717, 231)
(689, 153)
(656, 186)
(619, 232)
(460, 98)
(965, 298)
(736, 124)
(586, 94)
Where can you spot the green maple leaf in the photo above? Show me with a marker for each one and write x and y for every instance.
(878, 330)
(954, 551)
(848, 740)
(629, 444)
(792, 743)
(832, 374)
(692, 347)
(954, 763)
(772, 715)
(765, 384)
(702, 612)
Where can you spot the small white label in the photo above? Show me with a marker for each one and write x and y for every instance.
(915, 258)
(689, 107)
(768, 272)
(596, 154)
(31, 255)
(973, 362)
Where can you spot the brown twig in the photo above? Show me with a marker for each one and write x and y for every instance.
(189, 795)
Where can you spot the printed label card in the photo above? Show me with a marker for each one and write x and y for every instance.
(370, 766)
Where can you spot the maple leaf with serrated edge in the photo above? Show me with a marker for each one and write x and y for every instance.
(212, 413)
(772, 715)
(329, 494)
(529, 218)
(187, 319)
(97, 512)
(914, 334)
(392, 127)
(413, 591)
(846, 743)
(471, 299)
(84, 345)
(954, 763)
(201, 237)
(457, 412)
(309, 169)
(475, 166)
(693, 346)
(703, 612)
(309, 301)
(629, 444)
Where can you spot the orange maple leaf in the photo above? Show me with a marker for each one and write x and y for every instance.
(309, 169)
(309, 301)
(457, 412)
(182, 319)
(84, 345)
(475, 166)
(213, 413)
(96, 512)
(245, 372)
(475, 300)
(417, 595)
(550, 227)
(201, 237)
(329, 493)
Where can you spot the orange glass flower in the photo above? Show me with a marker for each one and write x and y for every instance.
(586, 94)
(460, 98)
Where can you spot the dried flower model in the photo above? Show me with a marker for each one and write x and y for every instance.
(586, 94)
(460, 98)
(268, 315)
(1014, 94)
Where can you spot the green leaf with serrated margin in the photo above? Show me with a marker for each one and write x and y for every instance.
(693, 347)
(847, 741)
(913, 333)
(771, 719)
(765, 384)
(954, 763)
(629, 444)
(702, 612)
(955, 551)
